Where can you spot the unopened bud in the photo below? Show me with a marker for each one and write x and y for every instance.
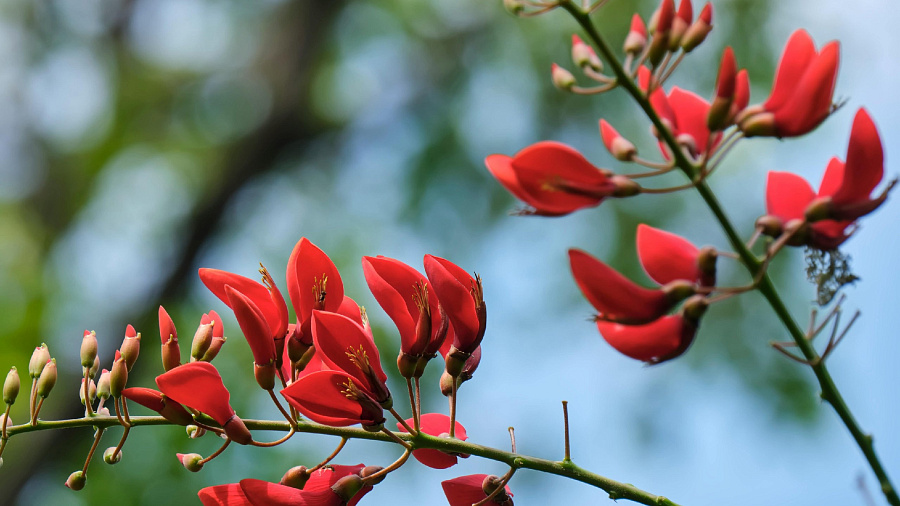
(583, 55)
(295, 477)
(103, 390)
(621, 148)
(296, 347)
(562, 78)
(213, 350)
(76, 480)
(92, 372)
(92, 392)
(447, 384)
(697, 32)
(770, 225)
(191, 461)
(265, 375)
(492, 483)
(348, 486)
(202, 341)
(118, 376)
(47, 379)
(11, 386)
(131, 346)
(111, 456)
(636, 39)
(39, 359)
(88, 348)
(819, 209)
(194, 432)
(513, 6)
(407, 364)
(706, 264)
(171, 354)
(694, 308)
(237, 430)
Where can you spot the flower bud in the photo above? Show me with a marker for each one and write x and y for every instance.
(76, 480)
(111, 456)
(583, 55)
(265, 375)
(706, 264)
(118, 376)
(819, 209)
(762, 124)
(769, 225)
(11, 386)
(636, 39)
(103, 390)
(92, 372)
(407, 365)
(194, 432)
(5, 420)
(103, 412)
(295, 477)
(447, 384)
(39, 359)
(513, 6)
(680, 24)
(202, 341)
(92, 392)
(625, 187)
(698, 31)
(621, 148)
(47, 379)
(131, 346)
(171, 354)
(88, 348)
(213, 350)
(348, 486)
(191, 461)
(562, 78)
(694, 308)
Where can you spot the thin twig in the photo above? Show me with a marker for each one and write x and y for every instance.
(330, 457)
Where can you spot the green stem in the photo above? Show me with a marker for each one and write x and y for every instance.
(615, 489)
(830, 391)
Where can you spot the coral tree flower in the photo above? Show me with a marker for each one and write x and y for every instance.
(319, 490)
(407, 297)
(155, 400)
(256, 330)
(844, 194)
(436, 424)
(802, 92)
(335, 398)
(171, 352)
(555, 179)
(313, 283)
(469, 490)
(685, 113)
(198, 385)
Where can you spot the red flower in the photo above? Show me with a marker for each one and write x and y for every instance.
(265, 296)
(171, 352)
(685, 113)
(555, 179)
(468, 490)
(667, 257)
(313, 283)
(326, 477)
(462, 299)
(845, 191)
(218, 335)
(345, 345)
(654, 342)
(321, 489)
(436, 424)
(802, 92)
(334, 398)
(198, 385)
(152, 399)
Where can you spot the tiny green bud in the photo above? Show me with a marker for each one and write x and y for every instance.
(88, 348)
(562, 78)
(76, 480)
(111, 456)
(39, 359)
(191, 461)
(11, 386)
(47, 379)
(118, 376)
(92, 391)
(103, 385)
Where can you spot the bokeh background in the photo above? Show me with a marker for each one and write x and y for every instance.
(143, 139)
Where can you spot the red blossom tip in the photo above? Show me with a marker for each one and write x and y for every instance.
(198, 385)
(665, 256)
(166, 326)
(313, 281)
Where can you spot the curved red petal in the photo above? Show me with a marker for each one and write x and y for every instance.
(832, 178)
(436, 424)
(224, 495)
(725, 81)
(350, 309)
(146, 397)
(452, 287)
(557, 179)
(865, 162)
(637, 25)
(325, 477)
(608, 134)
(466, 490)
(691, 112)
(741, 92)
(198, 385)
(218, 327)
(130, 332)
(613, 295)
(320, 397)
(653, 342)
(798, 53)
(336, 337)
(666, 257)
(253, 325)
(271, 304)
(393, 283)
(308, 268)
(811, 100)
(166, 326)
(787, 195)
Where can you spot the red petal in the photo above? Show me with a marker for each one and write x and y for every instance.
(307, 266)
(350, 309)
(546, 169)
(320, 397)
(335, 336)
(611, 294)
(658, 98)
(865, 162)
(198, 385)
(691, 112)
(654, 342)
(811, 100)
(130, 332)
(271, 304)
(436, 424)
(253, 325)
(638, 26)
(832, 179)
(452, 287)
(224, 495)
(325, 477)
(787, 195)
(166, 326)
(706, 14)
(218, 328)
(686, 11)
(666, 15)
(146, 397)
(466, 490)
(797, 55)
(741, 92)
(608, 134)
(665, 256)
(393, 283)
